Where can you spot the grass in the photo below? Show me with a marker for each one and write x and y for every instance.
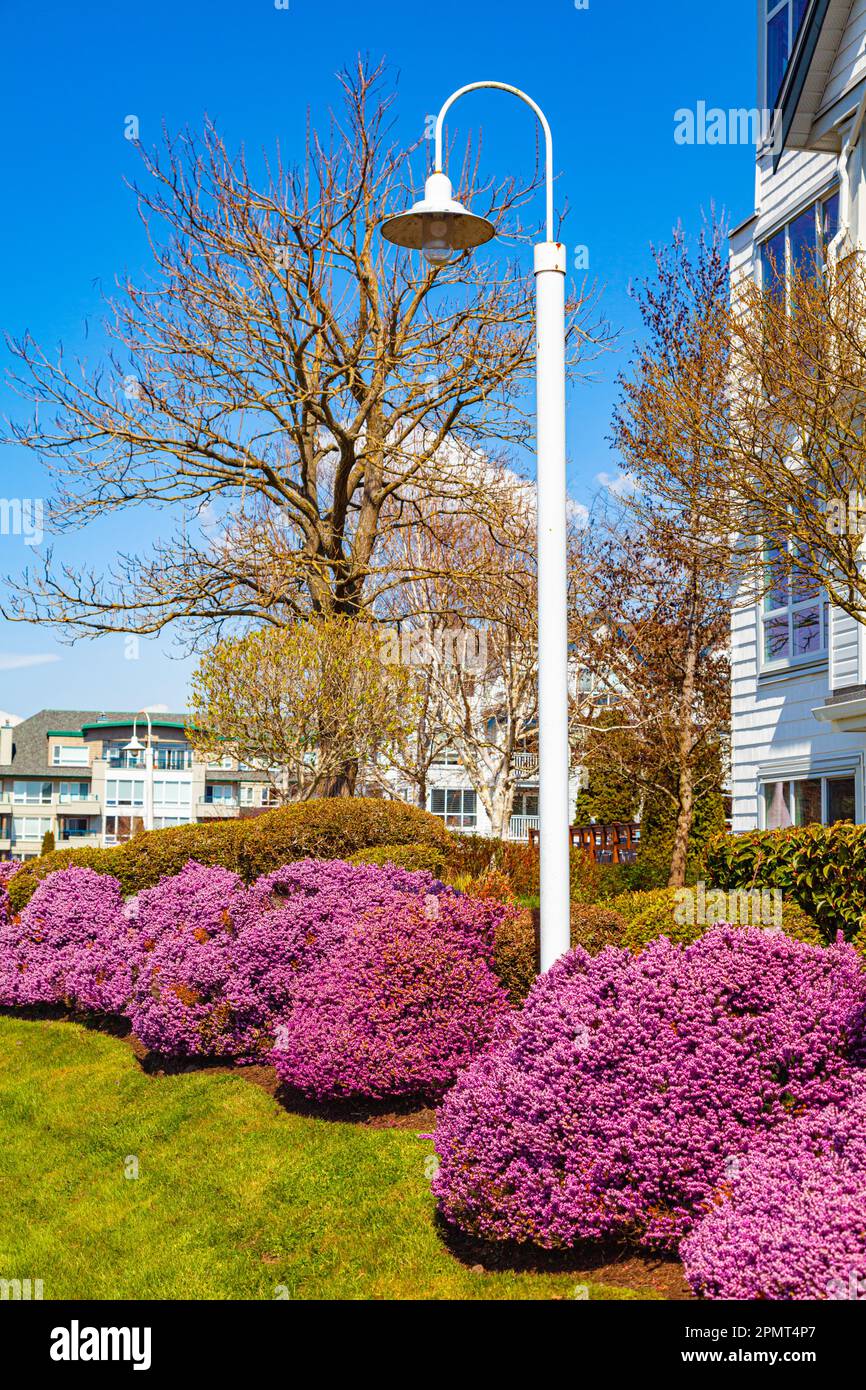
(235, 1197)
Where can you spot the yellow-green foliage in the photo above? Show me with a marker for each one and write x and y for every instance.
(429, 857)
(659, 912)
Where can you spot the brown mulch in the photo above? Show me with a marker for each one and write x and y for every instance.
(624, 1266)
(592, 1262)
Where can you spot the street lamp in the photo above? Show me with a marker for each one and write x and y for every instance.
(135, 745)
(437, 226)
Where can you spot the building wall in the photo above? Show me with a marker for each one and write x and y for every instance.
(775, 734)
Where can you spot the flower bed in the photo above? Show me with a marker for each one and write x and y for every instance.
(791, 1224)
(632, 1081)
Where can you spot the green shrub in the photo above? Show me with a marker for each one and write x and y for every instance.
(516, 949)
(330, 828)
(48, 845)
(515, 953)
(821, 867)
(658, 913)
(429, 857)
(594, 927)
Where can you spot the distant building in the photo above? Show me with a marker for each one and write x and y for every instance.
(69, 771)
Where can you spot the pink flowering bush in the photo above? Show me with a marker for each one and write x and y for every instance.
(8, 867)
(294, 918)
(56, 945)
(397, 1007)
(186, 929)
(791, 1224)
(631, 1082)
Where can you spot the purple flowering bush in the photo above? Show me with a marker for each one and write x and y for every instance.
(296, 918)
(631, 1082)
(397, 1007)
(187, 928)
(56, 946)
(8, 867)
(792, 1222)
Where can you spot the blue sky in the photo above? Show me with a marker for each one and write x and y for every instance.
(609, 76)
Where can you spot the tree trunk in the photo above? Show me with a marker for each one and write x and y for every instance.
(682, 834)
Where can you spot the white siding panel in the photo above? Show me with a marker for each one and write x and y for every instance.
(850, 63)
(844, 650)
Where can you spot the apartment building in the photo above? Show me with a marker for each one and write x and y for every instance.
(73, 773)
(798, 663)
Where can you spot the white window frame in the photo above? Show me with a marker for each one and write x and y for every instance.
(848, 771)
(462, 820)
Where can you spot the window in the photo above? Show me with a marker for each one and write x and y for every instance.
(118, 829)
(223, 764)
(123, 791)
(795, 618)
(270, 796)
(247, 796)
(173, 757)
(75, 791)
(219, 794)
(119, 756)
(31, 793)
(800, 245)
(74, 827)
(810, 801)
(455, 807)
(783, 22)
(447, 757)
(70, 756)
(172, 793)
(30, 827)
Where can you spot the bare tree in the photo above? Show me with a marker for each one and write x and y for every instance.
(284, 371)
(656, 636)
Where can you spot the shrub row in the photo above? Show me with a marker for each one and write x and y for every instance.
(823, 868)
(330, 828)
(629, 1084)
(353, 979)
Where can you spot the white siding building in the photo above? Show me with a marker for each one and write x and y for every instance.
(798, 664)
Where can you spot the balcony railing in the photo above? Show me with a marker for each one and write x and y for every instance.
(525, 764)
(520, 827)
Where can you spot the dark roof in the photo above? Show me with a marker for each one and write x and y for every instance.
(30, 741)
(30, 737)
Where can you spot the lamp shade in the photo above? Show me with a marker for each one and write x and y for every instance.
(438, 225)
(135, 745)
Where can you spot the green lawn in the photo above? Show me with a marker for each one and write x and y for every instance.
(235, 1198)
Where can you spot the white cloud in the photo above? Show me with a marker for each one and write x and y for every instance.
(18, 661)
(620, 484)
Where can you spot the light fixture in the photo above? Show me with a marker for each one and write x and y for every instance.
(437, 225)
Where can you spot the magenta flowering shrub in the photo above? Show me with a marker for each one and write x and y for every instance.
(295, 917)
(632, 1082)
(791, 1223)
(397, 1007)
(8, 867)
(62, 941)
(186, 928)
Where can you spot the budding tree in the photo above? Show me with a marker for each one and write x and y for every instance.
(309, 705)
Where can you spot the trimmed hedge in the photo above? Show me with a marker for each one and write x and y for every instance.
(330, 828)
(414, 857)
(655, 913)
(822, 867)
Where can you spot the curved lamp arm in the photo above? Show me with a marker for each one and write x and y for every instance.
(515, 91)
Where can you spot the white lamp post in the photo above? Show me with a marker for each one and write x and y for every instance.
(438, 226)
(135, 745)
